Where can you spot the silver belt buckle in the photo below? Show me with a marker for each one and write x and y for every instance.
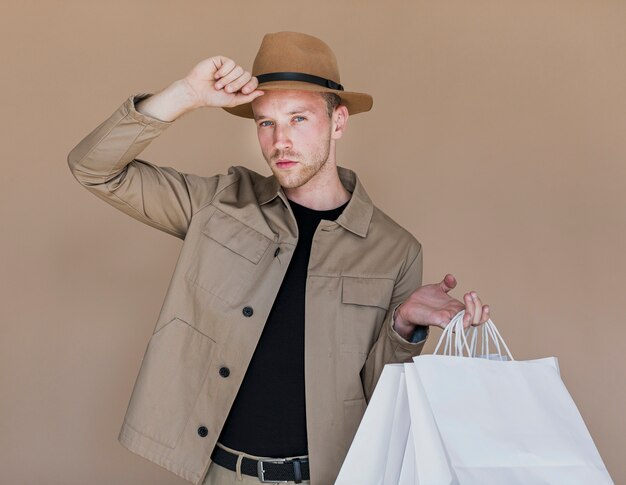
(261, 472)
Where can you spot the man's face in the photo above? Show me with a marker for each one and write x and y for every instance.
(294, 132)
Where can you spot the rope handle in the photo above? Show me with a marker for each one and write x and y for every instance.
(455, 339)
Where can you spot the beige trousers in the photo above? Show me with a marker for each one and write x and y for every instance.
(219, 475)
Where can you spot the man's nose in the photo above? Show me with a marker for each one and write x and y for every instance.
(282, 140)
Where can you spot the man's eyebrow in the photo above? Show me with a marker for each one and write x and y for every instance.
(299, 109)
(296, 110)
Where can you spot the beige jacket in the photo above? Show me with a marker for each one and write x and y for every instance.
(239, 235)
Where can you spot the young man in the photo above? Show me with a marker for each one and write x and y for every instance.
(291, 291)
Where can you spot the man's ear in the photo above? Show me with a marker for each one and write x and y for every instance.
(339, 121)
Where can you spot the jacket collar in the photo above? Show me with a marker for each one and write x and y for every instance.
(357, 215)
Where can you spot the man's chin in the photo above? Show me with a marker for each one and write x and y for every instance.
(287, 182)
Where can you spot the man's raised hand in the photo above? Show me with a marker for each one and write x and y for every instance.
(220, 82)
(214, 82)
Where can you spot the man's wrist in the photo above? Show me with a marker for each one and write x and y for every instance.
(400, 326)
(170, 103)
(410, 332)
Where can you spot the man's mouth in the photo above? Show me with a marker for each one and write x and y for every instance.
(285, 163)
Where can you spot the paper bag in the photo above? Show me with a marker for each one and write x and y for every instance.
(497, 421)
(378, 448)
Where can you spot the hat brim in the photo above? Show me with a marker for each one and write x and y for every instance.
(355, 102)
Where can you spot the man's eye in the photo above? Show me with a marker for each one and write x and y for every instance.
(265, 123)
(299, 118)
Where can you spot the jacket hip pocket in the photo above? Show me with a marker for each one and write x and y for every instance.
(172, 373)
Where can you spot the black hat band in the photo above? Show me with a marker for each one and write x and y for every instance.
(298, 76)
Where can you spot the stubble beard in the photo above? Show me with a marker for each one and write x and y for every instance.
(306, 169)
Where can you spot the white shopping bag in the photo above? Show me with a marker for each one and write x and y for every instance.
(483, 421)
(377, 452)
(408, 475)
(430, 462)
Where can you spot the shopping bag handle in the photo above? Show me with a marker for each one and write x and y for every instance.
(455, 339)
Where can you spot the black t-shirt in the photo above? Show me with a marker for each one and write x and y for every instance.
(268, 417)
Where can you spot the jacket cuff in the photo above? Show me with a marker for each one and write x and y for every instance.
(130, 110)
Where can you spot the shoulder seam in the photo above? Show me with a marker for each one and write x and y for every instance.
(236, 179)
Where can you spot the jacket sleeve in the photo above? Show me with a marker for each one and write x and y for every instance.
(104, 162)
(390, 347)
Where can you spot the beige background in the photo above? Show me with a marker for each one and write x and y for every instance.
(497, 138)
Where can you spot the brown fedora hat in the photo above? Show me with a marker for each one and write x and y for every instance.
(291, 60)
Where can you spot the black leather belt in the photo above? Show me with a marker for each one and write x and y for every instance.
(270, 470)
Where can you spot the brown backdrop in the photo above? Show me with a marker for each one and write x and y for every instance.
(497, 138)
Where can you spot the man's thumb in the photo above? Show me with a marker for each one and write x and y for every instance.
(247, 98)
(448, 283)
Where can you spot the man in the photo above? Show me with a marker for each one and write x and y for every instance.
(291, 291)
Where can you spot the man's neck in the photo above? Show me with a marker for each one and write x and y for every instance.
(323, 192)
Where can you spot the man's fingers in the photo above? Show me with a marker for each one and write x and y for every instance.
(238, 83)
(486, 314)
(481, 312)
(478, 308)
(250, 86)
(448, 283)
(475, 312)
(470, 310)
(224, 81)
(224, 65)
(442, 318)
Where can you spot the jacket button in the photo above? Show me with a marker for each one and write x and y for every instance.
(224, 371)
(276, 252)
(247, 311)
(203, 432)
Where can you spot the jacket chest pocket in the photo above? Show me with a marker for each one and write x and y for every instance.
(227, 256)
(365, 302)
